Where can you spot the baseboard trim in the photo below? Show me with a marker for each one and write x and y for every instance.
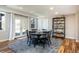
(4, 40)
(71, 38)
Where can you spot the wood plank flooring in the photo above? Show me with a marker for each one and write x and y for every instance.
(4, 46)
(68, 46)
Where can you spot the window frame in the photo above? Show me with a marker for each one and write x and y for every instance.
(4, 14)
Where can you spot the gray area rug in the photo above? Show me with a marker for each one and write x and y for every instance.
(20, 46)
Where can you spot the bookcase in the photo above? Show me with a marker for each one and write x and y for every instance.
(58, 27)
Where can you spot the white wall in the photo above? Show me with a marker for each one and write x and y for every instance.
(50, 23)
(71, 26)
(78, 24)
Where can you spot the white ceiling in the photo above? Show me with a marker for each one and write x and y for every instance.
(44, 10)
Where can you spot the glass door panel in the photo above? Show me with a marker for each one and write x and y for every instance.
(17, 27)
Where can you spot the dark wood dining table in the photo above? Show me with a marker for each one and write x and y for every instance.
(38, 34)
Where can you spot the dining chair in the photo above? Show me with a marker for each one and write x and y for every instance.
(29, 39)
(43, 40)
(48, 36)
(34, 39)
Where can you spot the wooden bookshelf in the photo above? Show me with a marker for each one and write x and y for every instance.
(58, 27)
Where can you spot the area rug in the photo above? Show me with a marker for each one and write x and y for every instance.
(21, 46)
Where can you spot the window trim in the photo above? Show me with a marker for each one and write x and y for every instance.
(4, 14)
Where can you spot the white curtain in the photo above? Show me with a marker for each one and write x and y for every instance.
(21, 24)
(42, 23)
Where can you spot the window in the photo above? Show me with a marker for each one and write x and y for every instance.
(17, 27)
(24, 26)
(2, 21)
(21, 23)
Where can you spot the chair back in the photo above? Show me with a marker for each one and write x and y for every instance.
(47, 33)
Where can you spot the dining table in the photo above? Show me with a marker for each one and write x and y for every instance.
(38, 38)
(38, 35)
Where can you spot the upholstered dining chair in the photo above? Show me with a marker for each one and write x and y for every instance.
(48, 36)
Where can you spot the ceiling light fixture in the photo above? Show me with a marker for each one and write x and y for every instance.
(56, 13)
(51, 8)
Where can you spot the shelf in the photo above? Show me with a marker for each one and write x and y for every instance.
(59, 26)
(58, 23)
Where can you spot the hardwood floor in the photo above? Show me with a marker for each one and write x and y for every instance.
(68, 46)
(4, 46)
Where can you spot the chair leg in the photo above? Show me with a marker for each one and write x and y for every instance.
(34, 45)
(29, 42)
(43, 45)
